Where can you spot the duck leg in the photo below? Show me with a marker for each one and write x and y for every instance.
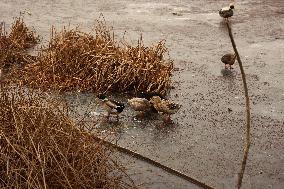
(168, 119)
(117, 117)
(107, 115)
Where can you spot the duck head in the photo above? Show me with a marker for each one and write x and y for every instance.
(155, 99)
(102, 96)
(232, 6)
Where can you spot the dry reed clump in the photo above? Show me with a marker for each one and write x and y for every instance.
(13, 45)
(78, 60)
(20, 37)
(41, 148)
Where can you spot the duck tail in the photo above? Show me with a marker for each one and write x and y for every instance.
(120, 108)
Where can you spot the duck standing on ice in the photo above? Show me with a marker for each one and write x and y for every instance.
(165, 107)
(141, 105)
(111, 106)
(229, 59)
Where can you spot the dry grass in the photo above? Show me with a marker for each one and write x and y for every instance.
(21, 36)
(40, 147)
(13, 45)
(97, 62)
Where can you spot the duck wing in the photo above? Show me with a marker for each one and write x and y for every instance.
(111, 104)
(226, 12)
(113, 107)
(167, 107)
(228, 59)
(139, 104)
(116, 103)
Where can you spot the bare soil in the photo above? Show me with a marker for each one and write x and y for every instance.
(206, 141)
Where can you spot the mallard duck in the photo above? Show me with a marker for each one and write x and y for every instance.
(165, 106)
(229, 59)
(141, 105)
(227, 12)
(111, 106)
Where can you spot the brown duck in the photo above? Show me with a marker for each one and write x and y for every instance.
(165, 107)
(229, 59)
(140, 104)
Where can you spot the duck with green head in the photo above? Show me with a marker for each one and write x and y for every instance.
(112, 107)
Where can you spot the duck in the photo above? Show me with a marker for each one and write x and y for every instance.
(165, 107)
(229, 59)
(112, 107)
(227, 12)
(141, 105)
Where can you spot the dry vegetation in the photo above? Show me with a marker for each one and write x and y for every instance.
(89, 61)
(14, 44)
(40, 147)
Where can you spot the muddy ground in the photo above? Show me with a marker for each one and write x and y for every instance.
(206, 140)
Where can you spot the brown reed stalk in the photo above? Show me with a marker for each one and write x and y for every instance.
(248, 117)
